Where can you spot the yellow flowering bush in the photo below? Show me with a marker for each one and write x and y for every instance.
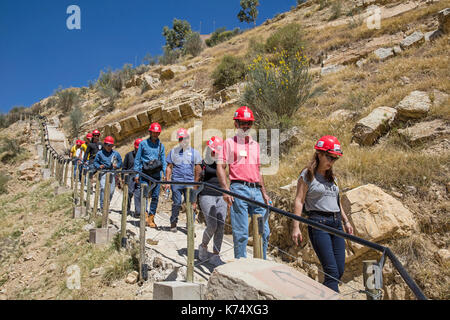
(277, 86)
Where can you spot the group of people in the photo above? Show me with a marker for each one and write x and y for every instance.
(317, 194)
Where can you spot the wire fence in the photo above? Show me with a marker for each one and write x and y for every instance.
(63, 161)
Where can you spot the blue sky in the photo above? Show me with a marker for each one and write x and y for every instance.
(38, 53)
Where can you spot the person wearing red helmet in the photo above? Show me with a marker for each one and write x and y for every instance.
(77, 153)
(213, 205)
(128, 164)
(318, 197)
(151, 161)
(92, 148)
(183, 164)
(107, 159)
(241, 153)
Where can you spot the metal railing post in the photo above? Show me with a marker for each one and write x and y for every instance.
(190, 236)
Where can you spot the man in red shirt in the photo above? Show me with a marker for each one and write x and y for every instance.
(242, 155)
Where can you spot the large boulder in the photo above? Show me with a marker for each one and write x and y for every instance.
(257, 279)
(414, 106)
(367, 130)
(425, 131)
(376, 216)
(168, 72)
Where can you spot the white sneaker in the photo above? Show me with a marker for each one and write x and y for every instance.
(202, 252)
(216, 261)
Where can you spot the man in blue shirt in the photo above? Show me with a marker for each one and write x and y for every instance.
(150, 149)
(107, 159)
(183, 164)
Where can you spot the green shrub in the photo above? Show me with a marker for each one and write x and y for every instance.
(221, 35)
(230, 71)
(10, 149)
(289, 38)
(76, 118)
(142, 69)
(194, 44)
(275, 91)
(169, 56)
(67, 99)
(336, 10)
(4, 178)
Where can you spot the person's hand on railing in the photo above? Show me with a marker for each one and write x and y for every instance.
(102, 166)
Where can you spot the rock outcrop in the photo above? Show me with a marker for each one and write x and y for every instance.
(414, 106)
(425, 131)
(369, 129)
(375, 216)
(256, 279)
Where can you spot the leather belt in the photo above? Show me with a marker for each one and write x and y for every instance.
(246, 183)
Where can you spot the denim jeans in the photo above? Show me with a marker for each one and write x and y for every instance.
(80, 168)
(330, 249)
(102, 188)
(154, 196)
(239, 218)
(177, 192)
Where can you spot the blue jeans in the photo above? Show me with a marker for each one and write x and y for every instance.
(177, 191)
(102, 188)
(330, 249)
(239, 218)
(154, 196)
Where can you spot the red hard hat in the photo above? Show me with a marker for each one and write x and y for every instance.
(329, 144)
(182, 133)
(89, 136)
(109, 140)
(155, 127)
(83, 142)
(215, 144)
(95, 132)
(136, 143)
(78, 142)
(244, 113)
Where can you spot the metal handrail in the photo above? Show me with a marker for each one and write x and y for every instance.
(385, 250)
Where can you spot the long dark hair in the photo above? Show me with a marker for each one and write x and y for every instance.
(312, 169)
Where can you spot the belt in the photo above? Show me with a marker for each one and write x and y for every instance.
(246, 183)
(323, 213)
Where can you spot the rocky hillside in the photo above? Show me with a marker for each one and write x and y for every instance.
(382, 91)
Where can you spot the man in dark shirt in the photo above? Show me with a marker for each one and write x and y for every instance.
(92, 148)
(128, 164)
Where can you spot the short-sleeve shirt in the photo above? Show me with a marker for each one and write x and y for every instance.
(76, 151)
(322, 195)
(184, 161)
(242, 156)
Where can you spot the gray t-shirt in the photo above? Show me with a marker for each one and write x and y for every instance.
(322, 195)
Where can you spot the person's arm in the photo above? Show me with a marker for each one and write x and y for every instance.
(138, 162)
(97, 162)
(299, 202)
(88, 149)
(263, 190)
(222, 176)
(346, 224)
(163, 160)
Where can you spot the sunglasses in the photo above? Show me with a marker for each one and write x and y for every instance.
(243, 123)
(331, 158)
(108, 145)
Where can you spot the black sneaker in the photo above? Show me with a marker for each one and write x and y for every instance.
(173, 227)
